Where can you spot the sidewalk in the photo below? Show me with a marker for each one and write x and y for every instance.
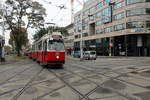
(9, 60)
(72, 58)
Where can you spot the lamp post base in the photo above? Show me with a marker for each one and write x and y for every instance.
(81, 59)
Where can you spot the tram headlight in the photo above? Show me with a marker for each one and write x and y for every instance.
(57, 57)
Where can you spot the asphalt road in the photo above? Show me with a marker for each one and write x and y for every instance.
(107, 78)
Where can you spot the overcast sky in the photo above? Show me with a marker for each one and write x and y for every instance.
(54, 14)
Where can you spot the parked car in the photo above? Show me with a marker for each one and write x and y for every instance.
(90, 55)
(76, 54)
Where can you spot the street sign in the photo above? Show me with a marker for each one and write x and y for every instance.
(110, 45)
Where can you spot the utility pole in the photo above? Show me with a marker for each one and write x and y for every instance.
(72, 17)
(110, 39)
(81, 39)
(72, 11)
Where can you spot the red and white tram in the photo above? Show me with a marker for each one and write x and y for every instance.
(49, 50)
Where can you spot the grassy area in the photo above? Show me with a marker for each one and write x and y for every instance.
(19, 57)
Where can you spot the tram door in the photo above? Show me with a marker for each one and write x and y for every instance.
(44, 51)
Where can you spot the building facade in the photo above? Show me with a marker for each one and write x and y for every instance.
(69, 40)
(114, 27)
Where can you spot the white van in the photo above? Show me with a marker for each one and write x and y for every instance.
(90, 55)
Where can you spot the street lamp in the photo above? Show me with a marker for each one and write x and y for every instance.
(81, 39)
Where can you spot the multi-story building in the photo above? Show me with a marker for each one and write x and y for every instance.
(69, 39)
(114, 27)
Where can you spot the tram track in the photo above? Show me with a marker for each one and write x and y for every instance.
(104, 73)
(70, 86)
(27, 85)
(52, 91)
(69, 69)
(6, 92)
(86, 78)
(86, 96)
(17, 63)
(15, 75)
(126, 95)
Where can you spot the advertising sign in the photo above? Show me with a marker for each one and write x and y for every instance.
(139, 30)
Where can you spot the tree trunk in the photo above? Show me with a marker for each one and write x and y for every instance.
(18, 51)
(18, 48)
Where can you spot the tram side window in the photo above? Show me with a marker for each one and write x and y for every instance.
(50, 45)
(45, 45)
(40, 46)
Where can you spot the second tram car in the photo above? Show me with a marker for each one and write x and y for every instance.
(49, 50)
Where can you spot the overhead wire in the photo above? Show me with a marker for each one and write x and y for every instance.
(60, 10)
(79, 4)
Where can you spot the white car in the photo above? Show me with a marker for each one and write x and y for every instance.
(90, 55)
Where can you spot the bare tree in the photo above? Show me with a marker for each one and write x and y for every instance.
(23, 14)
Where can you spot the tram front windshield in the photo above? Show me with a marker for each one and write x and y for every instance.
(56, 45)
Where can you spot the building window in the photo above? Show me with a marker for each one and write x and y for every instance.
(119, 27)
(148, 24)
(91, 18)
(85, 12)
(108, 29)
(136, 1)
(92, 10)
(99, 40)
(84, 27)
(77, 36)
(99, 14)
(119, 16)
(118, 5)
(85, 34)
(107, 1)
(138, 11)
(85, 21)
(106, 15)
(99, 5)
(99, 31)
(98, 23)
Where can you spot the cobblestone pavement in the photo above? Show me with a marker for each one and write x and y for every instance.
(107, 78)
